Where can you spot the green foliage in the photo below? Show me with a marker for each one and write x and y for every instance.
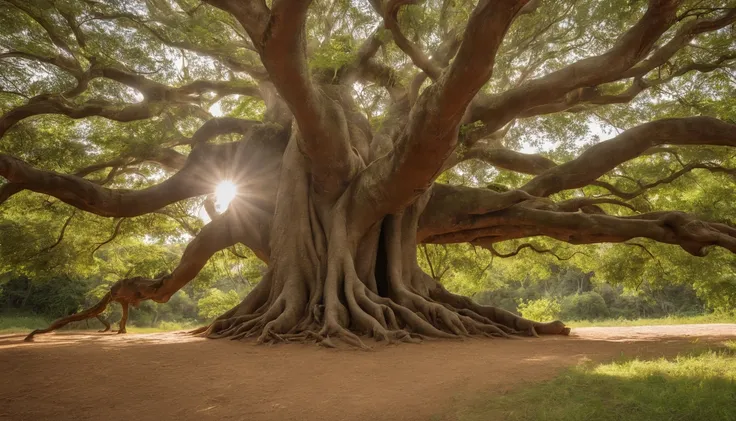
(11, 323)
(333, 54)
(216, 303)
(53, 298)
(667, 320)
(699, 386)
(585, 306)
(543, 309)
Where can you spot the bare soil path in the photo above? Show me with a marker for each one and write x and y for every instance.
(91, 376)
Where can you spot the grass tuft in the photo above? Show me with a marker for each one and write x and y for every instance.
(669, 320)
(694, 387)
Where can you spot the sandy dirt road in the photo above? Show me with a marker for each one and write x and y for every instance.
(91, 376)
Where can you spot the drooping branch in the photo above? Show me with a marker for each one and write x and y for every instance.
(603, 157)
(93, 311)
(215, 236)
(61, 235)
(489, 246)
(114, 235)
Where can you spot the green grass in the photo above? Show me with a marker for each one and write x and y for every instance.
(21, 323)
(669, 320)
(695, 387)
(13, 323)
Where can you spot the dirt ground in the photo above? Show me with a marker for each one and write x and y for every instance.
(90, 376)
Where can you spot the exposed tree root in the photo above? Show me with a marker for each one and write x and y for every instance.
(355, 313)
(323, 286)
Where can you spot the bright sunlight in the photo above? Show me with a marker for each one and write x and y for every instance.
(224, 194)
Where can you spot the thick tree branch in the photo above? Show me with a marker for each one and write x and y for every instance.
(91, 197)
(219, 126)
(280, 38)
(223, 232)
(631, 47)
(682, 37)
(57, 104)
(441, 224)
(432, 130)
(603, 157)
(167, 158)
(581, 203)
(510, 160)
(154, 91)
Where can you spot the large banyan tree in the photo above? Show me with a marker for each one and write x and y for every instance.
(336, 118)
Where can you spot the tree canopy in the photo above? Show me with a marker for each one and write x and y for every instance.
(596, 134)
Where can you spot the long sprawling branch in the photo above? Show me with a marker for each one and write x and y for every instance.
(57, 104)
(604, 156)
(91, 197)
(443, 223)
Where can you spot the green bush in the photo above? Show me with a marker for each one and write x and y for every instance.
(632, 307)
(216, 303)
(585, 306)
(541, 310)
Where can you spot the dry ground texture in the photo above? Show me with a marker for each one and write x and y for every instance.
(86, 376)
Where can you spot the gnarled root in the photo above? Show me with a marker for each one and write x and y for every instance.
(352, 312)
(497, 315)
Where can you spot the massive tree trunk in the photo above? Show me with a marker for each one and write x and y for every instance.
(329, 277)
